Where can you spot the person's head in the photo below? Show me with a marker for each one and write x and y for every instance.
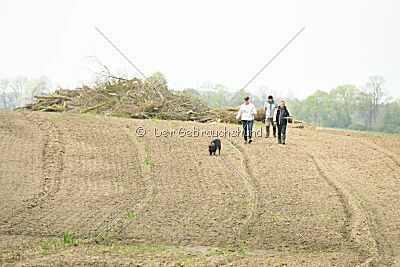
(282, 104)
(270, 99)
(246, 100)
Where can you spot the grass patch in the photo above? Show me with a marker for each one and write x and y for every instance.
(47, 244)
(69, 239)
(66, 239)
(147, 161)
(220, 251)
(242, 251)
(186, 261)
(130, 215)
(156, 118)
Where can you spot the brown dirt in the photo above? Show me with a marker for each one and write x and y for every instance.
(69, 172)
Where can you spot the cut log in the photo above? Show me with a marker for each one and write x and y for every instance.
(94, 107)
(53, 108)
(49, 97)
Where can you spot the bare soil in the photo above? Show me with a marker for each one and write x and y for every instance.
(328, 197)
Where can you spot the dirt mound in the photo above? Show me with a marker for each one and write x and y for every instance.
(132, 98)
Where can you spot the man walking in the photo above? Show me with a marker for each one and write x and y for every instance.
(270, 106)
(246, 114)
(281, 119)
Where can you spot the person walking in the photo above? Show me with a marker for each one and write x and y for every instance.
(280, 120)
(246, 115)
(270, 106)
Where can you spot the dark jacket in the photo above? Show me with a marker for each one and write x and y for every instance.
(281, 115)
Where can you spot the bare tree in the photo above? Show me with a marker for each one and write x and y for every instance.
(4, 84)
(207, 86)
(20, 91)
(33, 87)
(263, 92)
(11, 90)
(375, 90)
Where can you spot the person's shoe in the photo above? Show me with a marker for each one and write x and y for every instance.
(283, 139)
(283, 142)
(279, 141)
(250, 141)
(245, 141)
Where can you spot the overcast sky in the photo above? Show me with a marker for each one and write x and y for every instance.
(192, 42)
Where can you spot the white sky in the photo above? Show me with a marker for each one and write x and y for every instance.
(192, 42)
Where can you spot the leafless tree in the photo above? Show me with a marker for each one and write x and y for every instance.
(375, 90)
(20, 91)
(11, 90)
(207, 86)
(263, 92)
(4, 84)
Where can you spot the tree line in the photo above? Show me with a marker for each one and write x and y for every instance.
(365, 108)
(368, 108)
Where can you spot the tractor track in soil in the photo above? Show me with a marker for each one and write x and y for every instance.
(385, 249)
(252, 194)
(357, 218)
(368, 217)
(391, 155)
(52, 165)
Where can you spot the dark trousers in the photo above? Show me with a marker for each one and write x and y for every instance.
(247, 125)
(282, 131)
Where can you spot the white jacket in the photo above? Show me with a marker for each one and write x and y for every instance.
(245, 110)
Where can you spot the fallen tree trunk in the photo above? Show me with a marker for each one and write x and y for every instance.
(52, 97)
(53, 108)
(94, 107)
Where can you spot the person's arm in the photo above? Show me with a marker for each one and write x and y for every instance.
(239, 113)
(275, 113)
(255, 110)
(289, 114)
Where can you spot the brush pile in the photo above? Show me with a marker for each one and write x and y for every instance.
(135, 98)
(126, 98)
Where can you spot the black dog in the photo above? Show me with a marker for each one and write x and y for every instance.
(215, 144)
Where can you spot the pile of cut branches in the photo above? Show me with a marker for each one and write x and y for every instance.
(135, 98)
(132, 98)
